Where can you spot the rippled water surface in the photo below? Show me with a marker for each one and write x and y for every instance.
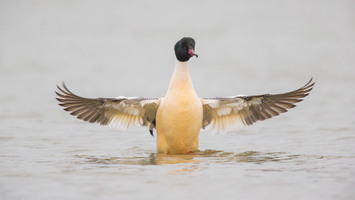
(108, 49)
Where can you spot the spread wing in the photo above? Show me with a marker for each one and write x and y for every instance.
(120, 112)
(224, 114)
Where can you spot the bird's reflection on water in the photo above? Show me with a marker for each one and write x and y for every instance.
(214, 156)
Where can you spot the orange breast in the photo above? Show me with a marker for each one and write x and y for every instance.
(179, 120)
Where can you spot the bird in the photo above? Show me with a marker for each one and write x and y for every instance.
(179, 116)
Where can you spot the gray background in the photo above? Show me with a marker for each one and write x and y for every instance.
(113, 48)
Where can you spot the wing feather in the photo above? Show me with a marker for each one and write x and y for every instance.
(120, 112)
(225, 113)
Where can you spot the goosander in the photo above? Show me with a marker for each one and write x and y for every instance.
(181, 114)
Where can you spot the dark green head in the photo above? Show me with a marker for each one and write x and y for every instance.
(185, 49)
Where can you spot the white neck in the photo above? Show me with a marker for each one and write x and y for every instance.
(181, 77)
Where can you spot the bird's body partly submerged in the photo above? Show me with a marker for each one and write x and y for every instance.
(181, 114)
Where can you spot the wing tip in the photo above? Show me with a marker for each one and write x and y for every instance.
(310, 84)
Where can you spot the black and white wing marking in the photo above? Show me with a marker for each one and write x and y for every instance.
(120, 112)
(224, 114)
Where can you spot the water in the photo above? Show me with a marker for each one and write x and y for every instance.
(125, 48)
